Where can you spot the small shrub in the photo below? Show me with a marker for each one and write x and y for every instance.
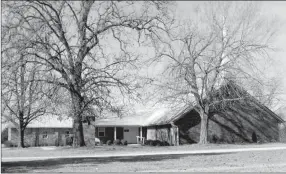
(109, 142)
(153, 142)
(273, 140)
(69, 141)
(125, 143)
(57, 142)
(215, 139)
(147, 142)
(117, 142)
(9, 144)
(157, 143)
(165, 143)
(4, 136)
(103, 141)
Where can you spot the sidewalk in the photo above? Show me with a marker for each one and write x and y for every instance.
(134, 154)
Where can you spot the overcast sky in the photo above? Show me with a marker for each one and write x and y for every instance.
(276, 9)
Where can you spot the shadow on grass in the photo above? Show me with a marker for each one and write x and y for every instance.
(29, 166)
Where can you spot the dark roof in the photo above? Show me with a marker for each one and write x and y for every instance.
(161, 116)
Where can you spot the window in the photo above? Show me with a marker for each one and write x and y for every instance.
(101, 132)
(45, 135)
(67, 134)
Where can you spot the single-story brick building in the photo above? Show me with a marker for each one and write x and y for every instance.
(154, 124)
(45, 131)
(244, 121)
(48, 131)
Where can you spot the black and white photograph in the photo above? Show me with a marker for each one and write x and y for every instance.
(143, 86)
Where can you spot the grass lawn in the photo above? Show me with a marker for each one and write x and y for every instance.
(69, 151)
(258, 161)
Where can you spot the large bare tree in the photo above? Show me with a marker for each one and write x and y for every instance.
(222, 41)
(87, 46)
(23, 98)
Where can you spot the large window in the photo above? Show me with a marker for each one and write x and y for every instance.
(101, 132)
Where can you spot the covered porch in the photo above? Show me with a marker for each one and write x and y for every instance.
(131, 134)
(154, 124)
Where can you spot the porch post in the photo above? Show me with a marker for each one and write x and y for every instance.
(141, 135)
(9, 134)
(114, 133)
(141, 132)
(172, 136)
(178, 138)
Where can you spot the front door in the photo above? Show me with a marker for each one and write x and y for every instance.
(119, 133)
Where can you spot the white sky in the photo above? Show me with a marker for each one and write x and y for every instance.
(273, 9)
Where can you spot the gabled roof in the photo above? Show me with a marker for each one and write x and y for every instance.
(259, 104)
(161, 116)
(282, 112)
(48, 121)
(51, 122)
(151, 117)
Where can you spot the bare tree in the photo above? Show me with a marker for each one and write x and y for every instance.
(267, 91)
(87, 46)
(281, 111)
(223, 42)
(23, 98)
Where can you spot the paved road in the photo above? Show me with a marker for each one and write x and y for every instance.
(134, 154)
(259, 159)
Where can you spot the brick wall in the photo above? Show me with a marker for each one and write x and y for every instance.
(35, 136)
(50, 139)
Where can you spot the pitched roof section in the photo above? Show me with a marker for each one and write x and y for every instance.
(259, 104)
(166, 115)
(151, 117)
(51, 122)
(48, 122)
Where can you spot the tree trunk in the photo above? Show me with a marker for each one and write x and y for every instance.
(204, 128)
(78, 138)
(22, 103)
(21, 135)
